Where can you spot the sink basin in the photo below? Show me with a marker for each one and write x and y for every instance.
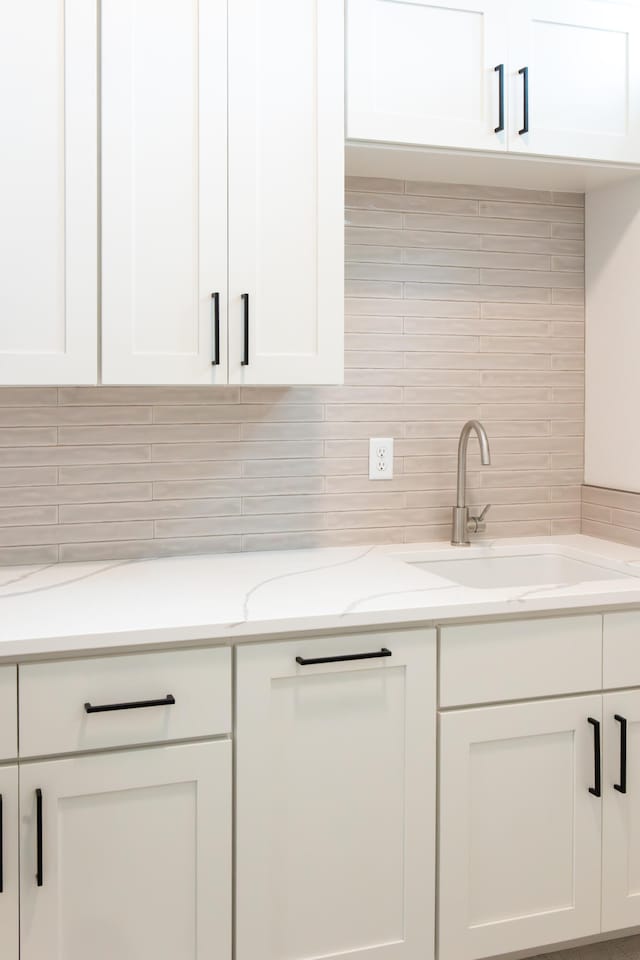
(530, 570)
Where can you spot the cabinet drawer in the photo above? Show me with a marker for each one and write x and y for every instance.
(621, 651)
(58, 700)
(517, 659)
(8, 713)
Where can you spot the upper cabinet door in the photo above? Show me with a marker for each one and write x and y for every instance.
(583, 61)
(48, 198)
(519, 827)
(286, 191)
(164, 191)
(423, 72)
(335, 798)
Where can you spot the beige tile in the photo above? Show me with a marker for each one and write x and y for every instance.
(478, 258)
(132, 549)
(74, 493)
(185, 432)
(421, 308)
(374, 184)
(423, 274)
(412, 238)
(373, 288)
(477, 192)
(568, 263)
(531, 211)
(42, 456)
(442, 291)
(548, 245)
(16, 556)
(418, 204)
(28, 396)
(483, 328)
(568, 296)
(133, 396)
(283, 486)
(185, 414)
(532, 278)
(365, 253)
(567, 231)
(135, 472)
(149, 510)
(29, 476)
(479, 225)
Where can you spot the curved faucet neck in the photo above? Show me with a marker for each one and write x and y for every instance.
(485, 456)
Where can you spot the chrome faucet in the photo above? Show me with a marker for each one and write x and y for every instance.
(464, 524)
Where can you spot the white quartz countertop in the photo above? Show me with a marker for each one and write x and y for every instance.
(88, 607)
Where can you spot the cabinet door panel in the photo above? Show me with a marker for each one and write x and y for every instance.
(422, 72)
(336, 858)
(9, 893)
(286, 190)
(584, 79)
(136, 855)
(519, 829)
(621, 814)
(48, 192)
(164, 234)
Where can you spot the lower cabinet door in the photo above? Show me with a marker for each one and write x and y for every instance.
(128, 855)
(336, 798)
(621, 811)
(520, 827)
(9, 877)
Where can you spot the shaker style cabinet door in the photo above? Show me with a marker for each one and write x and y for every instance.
(621, 811)
(423, 72)
(9, 876)
(164, 191)
(520, 829)
(583, 63)
(286, 191)
(48, 192)
(335, 816)
(127, 855)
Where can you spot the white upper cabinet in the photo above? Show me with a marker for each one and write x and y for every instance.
(164, 191)
(583, 62)
(48, 198)
(286, 191)
(423, 72)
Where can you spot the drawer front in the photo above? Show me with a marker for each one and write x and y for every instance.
(517, 659)
(58, 700)
(621, 653)
(8, 713)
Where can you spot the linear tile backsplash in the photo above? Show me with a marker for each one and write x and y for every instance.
(461, 302)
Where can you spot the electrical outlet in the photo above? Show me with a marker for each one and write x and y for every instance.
(380, 458)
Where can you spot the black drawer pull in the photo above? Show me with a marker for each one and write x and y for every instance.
(39, 867)
(348, 656)
(245, 350)
(500, 71)
(524, 71)
(167, 701)
(622, 786)
(215, 297)
(596, 789)
(1, 847)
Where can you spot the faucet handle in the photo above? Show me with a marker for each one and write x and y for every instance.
(477, 524)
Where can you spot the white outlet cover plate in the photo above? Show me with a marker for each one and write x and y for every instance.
(380, 458)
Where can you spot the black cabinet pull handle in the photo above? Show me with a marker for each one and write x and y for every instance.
(500, 71)
(215, 297)
(596, 789)
(1, 846)
(348, 656)
(245, 354)
(167, 701)
(622, 786)
(525, 113)
(39, 867)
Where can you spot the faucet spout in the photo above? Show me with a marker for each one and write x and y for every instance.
(461, 512)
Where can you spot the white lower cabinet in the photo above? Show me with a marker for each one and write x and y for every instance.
(336, 798)
(135, 855)
(9, 876)
(621, 811)
(520, 826)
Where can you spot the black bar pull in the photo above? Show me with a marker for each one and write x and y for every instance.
(524, 71)
(622, 786)
(1, 846)
(500, 71)
(596, 789)
(215, 297)
(167, 701)
(348, 656)
(39, 868)
(245, 353)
